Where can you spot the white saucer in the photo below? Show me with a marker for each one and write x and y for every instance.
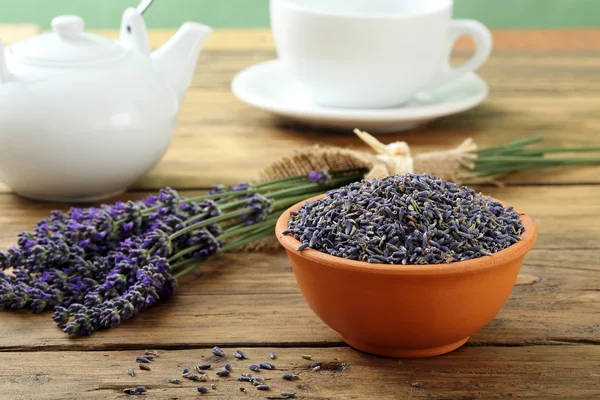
(269, 87)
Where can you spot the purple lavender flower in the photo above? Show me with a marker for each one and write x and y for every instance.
(321, 177)
(260, 206)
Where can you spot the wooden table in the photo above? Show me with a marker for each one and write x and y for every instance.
(544, 344)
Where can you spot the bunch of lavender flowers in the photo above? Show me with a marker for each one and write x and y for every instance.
(98, 266)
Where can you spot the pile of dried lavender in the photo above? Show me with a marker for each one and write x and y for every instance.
(408, 219)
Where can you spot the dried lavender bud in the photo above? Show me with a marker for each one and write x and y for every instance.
(151, 353)
(202, 389)
(218, 352)
(192, 377)
(263, 387)
(267, 365)
(243, 389)
(245, 379)
(144, 367)
(137, 390)
(174, 381)
(149, 357)
(288, 395)
(204, 366)
(417, 384)
(142, 359)
(316, 364)
(227, 367)
(307, 357)
(408, 219)
(321, 177)
(254, 367)
(272, 355)
(239, 354)
(290, 377)
(257, 379)
(185, 371)
(247, 374)
(316, 369)
(223, 372)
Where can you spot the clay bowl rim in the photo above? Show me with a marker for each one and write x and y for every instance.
(498, 259)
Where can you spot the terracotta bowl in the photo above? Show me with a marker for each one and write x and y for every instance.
(406, 311)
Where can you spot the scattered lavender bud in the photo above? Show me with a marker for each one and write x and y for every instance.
(243, 389)
(417, 384)
(218, 352)
(263, 387)
(307, 357)
(203, 366)
(192, 377)
(316, 364)
(248, 374)
(227, 367)
(144, 367)
(174, 381)
(288, 395)
(185, 371)
(257, 379)
(202, 389)
(272, 355)
(223, 373)
(131, 372)
(316, 369)
(142, 359)
(267, 365)
(254, 367)
(151, 353)
(290, 377)
(239, 354)
(245, 379)
(136, 390)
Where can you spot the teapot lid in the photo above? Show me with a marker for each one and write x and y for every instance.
(67, 45)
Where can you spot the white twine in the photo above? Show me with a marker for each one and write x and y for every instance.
(395, 157)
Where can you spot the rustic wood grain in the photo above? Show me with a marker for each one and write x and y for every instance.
(564, 215)
(253, 298)
(534, 92)
(513, 39)
(467, 373)
(543, 344)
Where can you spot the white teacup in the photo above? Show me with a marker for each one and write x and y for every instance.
(372, 53)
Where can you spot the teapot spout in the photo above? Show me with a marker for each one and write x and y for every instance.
(176, 59)
(3, 68)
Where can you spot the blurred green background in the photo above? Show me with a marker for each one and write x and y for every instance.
(254, 13)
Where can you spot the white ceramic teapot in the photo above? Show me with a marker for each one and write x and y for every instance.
(82, 117)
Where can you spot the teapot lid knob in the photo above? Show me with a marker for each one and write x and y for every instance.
(68, 26)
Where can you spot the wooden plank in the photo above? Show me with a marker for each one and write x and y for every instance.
(542, 372)
(253, 298)
(564, 215)
(513, 39)
(222, 140)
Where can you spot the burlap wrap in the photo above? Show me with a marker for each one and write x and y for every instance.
(393, 158)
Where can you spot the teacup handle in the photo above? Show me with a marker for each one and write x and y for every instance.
(483, 48)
